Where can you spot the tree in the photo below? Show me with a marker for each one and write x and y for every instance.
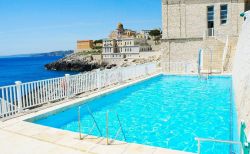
(97, 41)
(155, 32)
(155, 35)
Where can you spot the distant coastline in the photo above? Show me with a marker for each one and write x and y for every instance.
(61, 53)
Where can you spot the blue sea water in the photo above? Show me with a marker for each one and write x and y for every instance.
(27, 69)
(165, 111)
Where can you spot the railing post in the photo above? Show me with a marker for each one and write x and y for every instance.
(98, 74)
(186, 68)
(67, 82)
(19, 96)
(199, 147)
(146, 70)
(120, 75)
(107, 127)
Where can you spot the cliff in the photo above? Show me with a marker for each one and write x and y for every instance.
(86, 62)
(76, 62)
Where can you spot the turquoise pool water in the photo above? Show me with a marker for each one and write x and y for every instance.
(165, 111)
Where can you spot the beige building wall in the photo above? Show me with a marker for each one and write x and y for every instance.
(175, 52)
(185, 29)
(149, 54)
(188, 18)
(84, 45)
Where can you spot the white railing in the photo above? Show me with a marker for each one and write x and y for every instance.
(210, 32)
(199, 140)
(226, 53)
(21, 96)
(180, 67)
(8, 101)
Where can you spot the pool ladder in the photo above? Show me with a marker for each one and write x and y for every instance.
(120, 130)
(200, 61)
(95, 125)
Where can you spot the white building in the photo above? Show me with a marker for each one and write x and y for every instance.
(125, 48)
(144, 34)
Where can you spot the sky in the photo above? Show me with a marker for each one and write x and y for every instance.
(35, 26)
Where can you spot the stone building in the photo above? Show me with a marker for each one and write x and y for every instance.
(211, 26)
(125, 44)
(114, 50)
(120, 32)
(144, 34)
(84, 45)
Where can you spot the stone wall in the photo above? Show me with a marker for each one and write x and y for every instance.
(241, 74)
(184, 23)
(149, 54)
(84, 45)
(181, 51)
(188, 18)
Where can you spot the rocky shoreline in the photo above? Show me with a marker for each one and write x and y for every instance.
(75, 62)
(82, 63)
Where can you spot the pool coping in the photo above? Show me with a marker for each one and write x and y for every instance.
(68, 139)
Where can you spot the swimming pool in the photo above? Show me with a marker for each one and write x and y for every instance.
(166, 111)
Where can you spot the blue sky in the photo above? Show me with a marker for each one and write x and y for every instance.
(30, 26)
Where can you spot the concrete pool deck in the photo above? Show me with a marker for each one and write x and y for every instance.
(19, 136)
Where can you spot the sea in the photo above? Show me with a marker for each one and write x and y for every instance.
(26, 69)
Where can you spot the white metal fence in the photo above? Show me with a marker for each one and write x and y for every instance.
(16, 98)
(180, 67)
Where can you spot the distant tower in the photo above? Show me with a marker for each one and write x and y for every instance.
(120, 30)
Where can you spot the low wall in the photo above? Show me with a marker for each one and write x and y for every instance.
(148, 54)
(180, 51)
(241, 73)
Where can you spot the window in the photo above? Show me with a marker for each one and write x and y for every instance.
(223, 14)
(210, 16)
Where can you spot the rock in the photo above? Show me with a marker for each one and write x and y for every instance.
(82, 62)
(109, 66)
(76, 62)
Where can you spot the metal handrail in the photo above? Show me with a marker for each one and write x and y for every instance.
(121, 126)
(79, 123)
(118, 131)
(92, 128)
(211, 60)
(214, 140)
(90, 112)
(199, 61)
(226, 55)
(107, 127)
